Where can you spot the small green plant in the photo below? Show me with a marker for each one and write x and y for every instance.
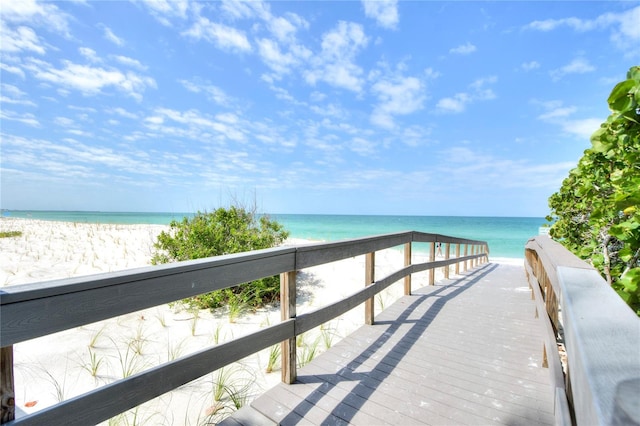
(139, 340)
(380, 301)
(174, 350)
(193, 322)
(59, 387)
(274, 358)
(161, 319)
(216, 333)
(327, 335)
(10, 234)
(307, 353)
(95, 336)
(236, 308)
(94, 363)
(129, 360)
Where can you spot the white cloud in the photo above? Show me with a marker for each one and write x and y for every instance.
(33, 13)
(10, 94)
(529, 66)
(166, 10)
(122, 113)
(335, 63)
(91, 80)
(583, 128)
(463, 49)
(90, 54)
(577, 66)
(130, 62)
(12, 69)
(385, 12)
(625, 27)
(26, 118)
(398, 96)
(214, 93)
(245, 9)
(481, 92)
(22, 38)
(223, 36)
(274, 58)
(109, 35)
(459, 102)
(196, 124)
(558, 114)
(455, 104)
(285, 28)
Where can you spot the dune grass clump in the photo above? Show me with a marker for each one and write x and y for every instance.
(10, 234)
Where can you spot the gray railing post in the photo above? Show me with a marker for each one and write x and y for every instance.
(287, 311)
(447, 248)
(432, 258)
(369, 278)
(407, 262)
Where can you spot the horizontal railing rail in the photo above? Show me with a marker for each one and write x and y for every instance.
(34, 310)
(601, 335)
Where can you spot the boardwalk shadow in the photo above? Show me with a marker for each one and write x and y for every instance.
(367, 383)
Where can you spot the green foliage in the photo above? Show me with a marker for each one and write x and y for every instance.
(223, 231)
(10, 234)
(597, 209)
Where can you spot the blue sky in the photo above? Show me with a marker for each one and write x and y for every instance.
(377, 107)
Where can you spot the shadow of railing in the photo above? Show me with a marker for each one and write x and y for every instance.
(358, 395)
(39, 309)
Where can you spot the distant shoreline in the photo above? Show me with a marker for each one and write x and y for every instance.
(506, 236)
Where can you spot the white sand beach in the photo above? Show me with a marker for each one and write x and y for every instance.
(69, 363)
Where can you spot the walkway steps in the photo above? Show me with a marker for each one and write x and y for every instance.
(465, 351)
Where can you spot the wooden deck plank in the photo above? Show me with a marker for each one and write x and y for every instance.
(466, 351)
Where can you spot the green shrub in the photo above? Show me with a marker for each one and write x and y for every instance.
(597, 209)
(223, 231)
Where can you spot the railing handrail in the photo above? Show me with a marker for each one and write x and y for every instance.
(188, 278)
(601, 334)
(34, 310)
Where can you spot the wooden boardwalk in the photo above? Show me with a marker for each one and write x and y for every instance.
(465, 351)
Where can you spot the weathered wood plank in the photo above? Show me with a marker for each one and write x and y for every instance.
(101, 404)
(317, 254)
(445, 356)
(31, 311)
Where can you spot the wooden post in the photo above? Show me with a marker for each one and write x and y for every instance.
(287, 311)
(7, 391)
(457, 256)
(407, 262)
(466, 251)
(369, 278)
(432, 258)
(446, 257)
(474, 262)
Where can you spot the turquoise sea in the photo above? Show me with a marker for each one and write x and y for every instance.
(506, 235)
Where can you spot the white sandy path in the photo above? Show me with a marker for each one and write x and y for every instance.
(60, 365)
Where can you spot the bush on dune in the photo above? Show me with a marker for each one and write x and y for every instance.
(223, 231)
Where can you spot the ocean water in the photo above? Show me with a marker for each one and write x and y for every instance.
(506, 235)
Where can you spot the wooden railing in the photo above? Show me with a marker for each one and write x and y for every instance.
(33, 310)
(601, 335)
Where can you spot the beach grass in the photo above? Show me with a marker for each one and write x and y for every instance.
(10, 234)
